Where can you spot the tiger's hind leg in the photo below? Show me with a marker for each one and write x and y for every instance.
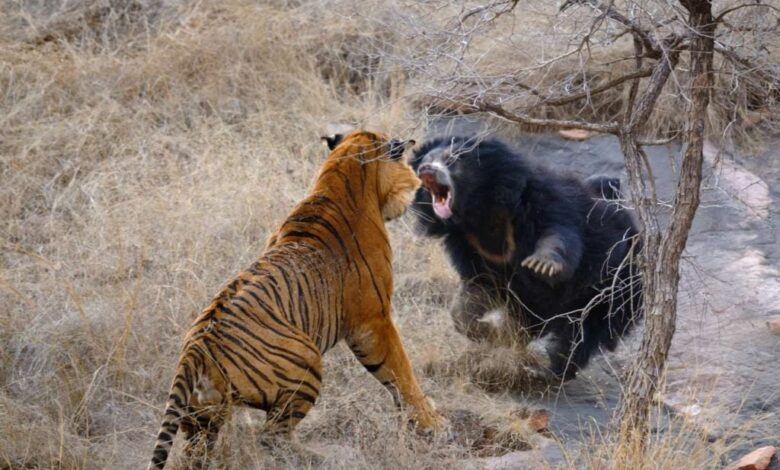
(291, 408)
(207, 411)
(201, 430)
(299, 390)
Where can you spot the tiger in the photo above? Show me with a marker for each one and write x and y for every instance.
(323, 276)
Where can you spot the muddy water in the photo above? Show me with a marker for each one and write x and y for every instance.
(724, 366)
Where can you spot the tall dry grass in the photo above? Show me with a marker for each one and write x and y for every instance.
(145, 154)
(146, 150)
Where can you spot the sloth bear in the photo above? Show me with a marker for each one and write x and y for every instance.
(555, 252)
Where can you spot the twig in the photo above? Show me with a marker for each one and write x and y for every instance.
(658, 141)
(489, 6)
(557, 101)
(733, 56)
(653, 48)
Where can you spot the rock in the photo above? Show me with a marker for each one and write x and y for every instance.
(539, 420)
(691, 410)
(774, 325)
(575, 134)
(757, 460)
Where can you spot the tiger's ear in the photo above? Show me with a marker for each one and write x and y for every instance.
(332, 140)
(398, 147)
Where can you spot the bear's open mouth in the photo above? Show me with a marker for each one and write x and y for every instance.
(440, 194)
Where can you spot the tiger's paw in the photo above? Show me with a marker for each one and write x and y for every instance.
(426, 420)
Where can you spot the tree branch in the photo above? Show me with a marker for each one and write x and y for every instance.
(731, 55)
(725, 12)
(658, 79)
(651, 45)
(561, 100)
(632, 93)
(478, 10)
(609, 128)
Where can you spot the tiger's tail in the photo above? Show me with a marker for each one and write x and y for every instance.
(181, 390)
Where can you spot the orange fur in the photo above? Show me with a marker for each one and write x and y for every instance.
(325, 275)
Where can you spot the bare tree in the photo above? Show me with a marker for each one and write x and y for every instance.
(663, 249)
(673, 47)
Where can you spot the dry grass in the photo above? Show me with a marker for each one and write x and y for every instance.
(144, 157)
(146, 149)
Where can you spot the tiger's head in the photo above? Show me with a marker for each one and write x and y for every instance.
(381, 166)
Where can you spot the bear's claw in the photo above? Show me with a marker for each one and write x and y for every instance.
(542, 265)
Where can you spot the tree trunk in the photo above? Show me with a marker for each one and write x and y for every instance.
(662, 250)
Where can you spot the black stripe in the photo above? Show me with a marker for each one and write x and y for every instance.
(188, 375)
(338, 210)
(221, 349)
(371, 275)
(303, 305)
(347, 185)
(308, 235)
(318, 220)
(363, 177)
(245, 329)
(373, 367)
(178, 399)
(289, 285)
(274, 350)
(159, 457)
(270, 313)
(243, 346)
(278, 298)
(259, 320)
(394, 393)
(320, 290)
(316, 200)
(281, 376)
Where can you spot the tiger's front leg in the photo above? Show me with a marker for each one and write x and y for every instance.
(377, 345)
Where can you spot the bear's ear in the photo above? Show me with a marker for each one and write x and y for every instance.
(332, 140)
(398, 147)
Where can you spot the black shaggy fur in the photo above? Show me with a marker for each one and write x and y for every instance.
(509, 216)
